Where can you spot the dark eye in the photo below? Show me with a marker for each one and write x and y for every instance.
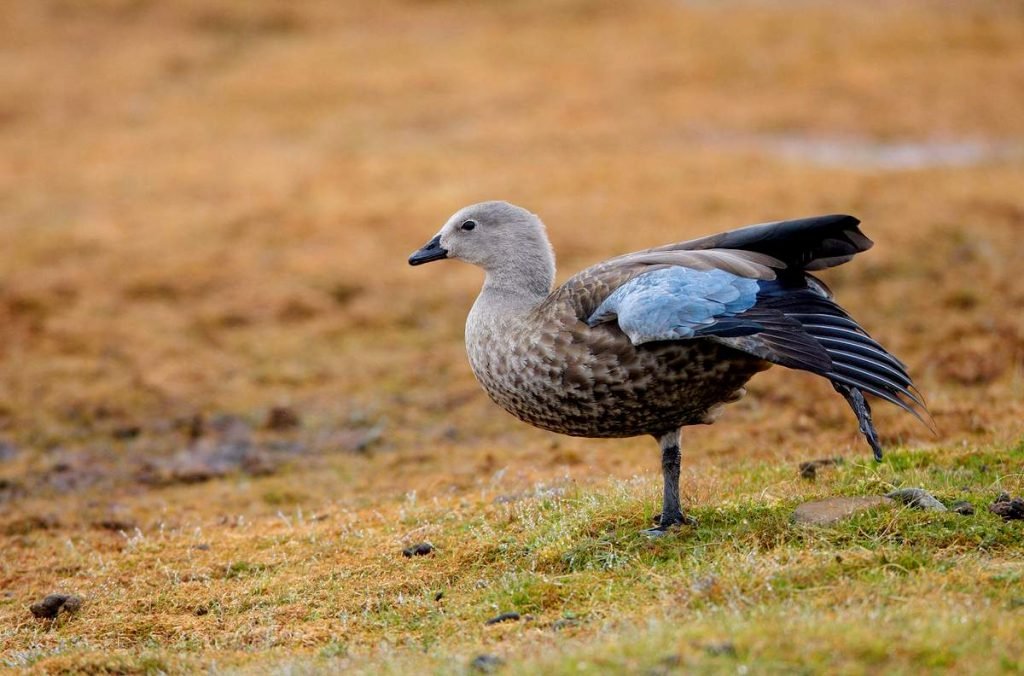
(469, 225)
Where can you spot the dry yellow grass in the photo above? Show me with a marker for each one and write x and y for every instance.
(207, 208)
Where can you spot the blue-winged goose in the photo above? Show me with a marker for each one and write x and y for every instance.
(654, 340)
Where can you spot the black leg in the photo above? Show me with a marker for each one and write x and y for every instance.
(671, 511)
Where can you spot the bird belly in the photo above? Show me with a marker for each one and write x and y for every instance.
(592, 383)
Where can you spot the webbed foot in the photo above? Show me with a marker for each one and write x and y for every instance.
(678, 520)
(661, 529)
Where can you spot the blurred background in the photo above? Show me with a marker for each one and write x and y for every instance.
(226, 402)
(207, 208)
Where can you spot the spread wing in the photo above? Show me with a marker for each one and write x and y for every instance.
(749, 289)
(680, 303)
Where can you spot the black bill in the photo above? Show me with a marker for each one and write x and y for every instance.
(431, 251)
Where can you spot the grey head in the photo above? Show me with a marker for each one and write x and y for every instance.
(508, 242)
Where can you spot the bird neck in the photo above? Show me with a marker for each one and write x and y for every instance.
(524, 278)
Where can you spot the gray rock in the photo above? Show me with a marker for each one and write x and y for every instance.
(918, 498)
(486, 664)
(565, 623)
(832, 510)
(722, 649)
(962, 507)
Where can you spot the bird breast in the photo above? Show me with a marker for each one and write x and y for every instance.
(554, 371)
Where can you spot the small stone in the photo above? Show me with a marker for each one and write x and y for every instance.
(282, 418)
(10, 489)
(486, 664)
(504, 617)
(420, 549)
(360, 440)
(195, 426)
(54, 604)
(825, 512)
(962, 507)
(230, 427)
(565, 623)
(809, 470)
(259, 463)
(115, 524)
(723, 649)
(125, 432)
(1008, 508)
(918, 498)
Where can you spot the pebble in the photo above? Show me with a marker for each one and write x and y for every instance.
(125, 432)
(1008, 508)
(504, 617)
(962, 507)
(419, 549)
(281, 418)
(809, 470)
(53, 604)
(486, 664)
(725, 649)
(918, 498)
(565, 623)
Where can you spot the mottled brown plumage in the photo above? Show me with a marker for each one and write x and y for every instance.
(548, 368)
(721, 309)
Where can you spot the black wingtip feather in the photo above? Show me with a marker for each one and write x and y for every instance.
(857, 360)
(812, 243)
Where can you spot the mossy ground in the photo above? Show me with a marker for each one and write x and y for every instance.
(207, 209)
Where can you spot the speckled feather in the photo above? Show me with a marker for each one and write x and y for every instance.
(552, 370)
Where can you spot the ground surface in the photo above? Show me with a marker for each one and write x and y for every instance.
(206, 209)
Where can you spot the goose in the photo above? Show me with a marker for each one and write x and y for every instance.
(652, 341)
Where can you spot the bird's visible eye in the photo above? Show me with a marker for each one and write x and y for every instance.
(469, 225)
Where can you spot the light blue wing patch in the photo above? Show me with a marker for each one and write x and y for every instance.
(676, 303)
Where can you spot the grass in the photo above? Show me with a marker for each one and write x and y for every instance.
(893, 588)
(208, 218)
